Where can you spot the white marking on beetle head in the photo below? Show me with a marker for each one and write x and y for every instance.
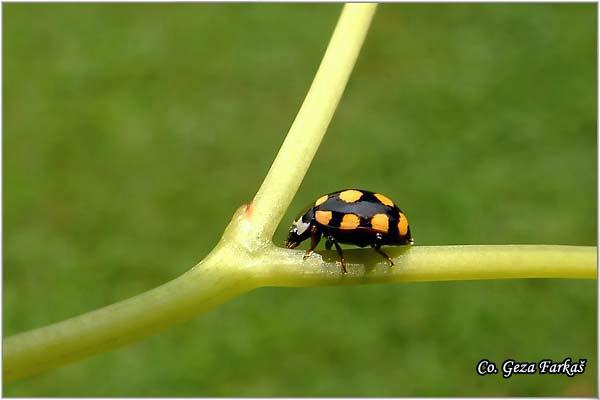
(301, 226)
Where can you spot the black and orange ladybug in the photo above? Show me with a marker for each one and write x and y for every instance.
(352, 216)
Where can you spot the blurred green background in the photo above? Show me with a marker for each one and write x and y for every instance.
(133, 132)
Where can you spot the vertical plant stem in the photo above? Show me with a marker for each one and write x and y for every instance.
(304, 137)
(226, 272)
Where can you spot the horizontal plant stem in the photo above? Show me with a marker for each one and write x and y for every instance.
(230, 271)
(120, 323)
(304, 137)
(430, 263)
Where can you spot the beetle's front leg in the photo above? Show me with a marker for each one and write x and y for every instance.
(315, 238)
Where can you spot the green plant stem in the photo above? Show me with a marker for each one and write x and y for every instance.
(309, 127)
(224, 273)
(431, 263)
(245, 257)
(118, 324)
(206, 286)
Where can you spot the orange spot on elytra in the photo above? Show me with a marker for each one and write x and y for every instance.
(402, 225)
(350, 196)
(323, 217)
(321, 200)
(380, 222)
(384, 200)
(350, 221)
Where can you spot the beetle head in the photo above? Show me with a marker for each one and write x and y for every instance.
(300, 230)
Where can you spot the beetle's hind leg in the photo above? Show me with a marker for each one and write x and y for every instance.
(377, 247)
(331, 241)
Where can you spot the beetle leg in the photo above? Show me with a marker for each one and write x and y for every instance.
(315, 237)
(378, 249)
(328, 244)
(339, 250)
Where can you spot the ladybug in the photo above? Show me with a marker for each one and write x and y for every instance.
(352, 216)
